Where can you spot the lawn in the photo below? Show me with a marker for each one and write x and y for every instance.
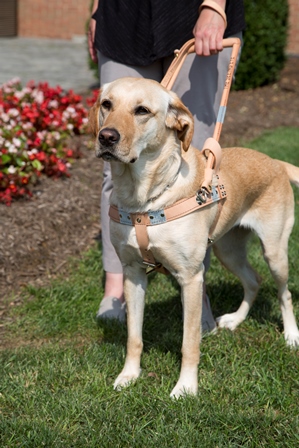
(59, 364)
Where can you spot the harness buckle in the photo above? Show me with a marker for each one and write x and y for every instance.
(201, 196)
(149, 264)
(151, 267)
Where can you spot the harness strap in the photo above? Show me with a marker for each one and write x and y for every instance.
(179, 209)
(147, 255)
(211, 146)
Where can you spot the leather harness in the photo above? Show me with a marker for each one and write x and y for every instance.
(181, 208)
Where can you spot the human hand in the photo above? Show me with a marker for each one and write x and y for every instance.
(91, 37)
(208, 32)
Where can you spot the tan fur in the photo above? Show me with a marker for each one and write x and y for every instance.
(149, 125)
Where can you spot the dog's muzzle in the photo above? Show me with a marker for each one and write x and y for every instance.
(108, 138)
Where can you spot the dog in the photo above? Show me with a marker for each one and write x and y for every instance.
(145, 132)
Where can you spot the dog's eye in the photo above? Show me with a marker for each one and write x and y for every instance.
(106, 104)
(141, 110)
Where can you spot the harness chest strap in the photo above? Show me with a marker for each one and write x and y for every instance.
(181, 208)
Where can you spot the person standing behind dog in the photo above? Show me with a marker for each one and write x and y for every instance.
(138, 38)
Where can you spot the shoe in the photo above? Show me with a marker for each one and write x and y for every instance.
(208, 323)
(112, 308)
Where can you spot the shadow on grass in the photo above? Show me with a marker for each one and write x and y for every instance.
(226, 297)
(163, 325)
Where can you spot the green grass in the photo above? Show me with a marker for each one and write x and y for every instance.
(59, 365)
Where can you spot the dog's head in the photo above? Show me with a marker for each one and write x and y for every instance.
(135, 114)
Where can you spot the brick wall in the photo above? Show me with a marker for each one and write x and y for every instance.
(61, 19)
(293, 42)
(64, 19)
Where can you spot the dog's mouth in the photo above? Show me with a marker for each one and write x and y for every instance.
(108, 157)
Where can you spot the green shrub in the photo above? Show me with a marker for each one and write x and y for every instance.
(265, 37)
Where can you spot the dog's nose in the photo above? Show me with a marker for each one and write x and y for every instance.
(108, 137)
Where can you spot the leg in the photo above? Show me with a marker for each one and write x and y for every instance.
(231, 251)
(111, 261)
(135, 286)
(192, 299)
(208, 324)
(276, 255)
(114, 285)
(112, 305)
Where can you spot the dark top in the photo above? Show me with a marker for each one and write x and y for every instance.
(138, 32)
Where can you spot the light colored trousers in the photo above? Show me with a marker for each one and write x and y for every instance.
(199, 84)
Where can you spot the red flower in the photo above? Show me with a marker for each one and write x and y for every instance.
(69, 153)
(41, 156)
(13, 188)
(25, 180)
(41, 108)
(61, 166)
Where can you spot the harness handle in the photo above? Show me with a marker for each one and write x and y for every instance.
(189, 48)
(170, 77)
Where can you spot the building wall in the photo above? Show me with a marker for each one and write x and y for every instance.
(293, 41)
(61, 19)
(64, 19)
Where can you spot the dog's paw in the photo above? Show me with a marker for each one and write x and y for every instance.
(181, 391)
(230, 321)
(125, 378)
(186, 385)
(292, 339)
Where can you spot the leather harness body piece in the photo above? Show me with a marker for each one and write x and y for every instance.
(179, 209)
(211, 190)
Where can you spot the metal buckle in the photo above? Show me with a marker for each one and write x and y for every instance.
(202, 196)
(148, 264)
(150, 267)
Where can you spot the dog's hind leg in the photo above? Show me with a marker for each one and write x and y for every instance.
(276, 255)
(134, 289)
(231, 251)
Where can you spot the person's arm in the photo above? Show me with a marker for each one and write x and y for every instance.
(209, 29)
(91, 33)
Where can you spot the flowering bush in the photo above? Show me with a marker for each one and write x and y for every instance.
(35, 122)
(93, 98)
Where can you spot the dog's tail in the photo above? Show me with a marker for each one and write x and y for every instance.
(292, 172)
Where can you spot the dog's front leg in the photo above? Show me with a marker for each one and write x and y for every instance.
(192, 301)
(134, 289)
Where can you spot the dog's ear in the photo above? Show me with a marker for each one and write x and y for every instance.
(180, 118)
(93, 118)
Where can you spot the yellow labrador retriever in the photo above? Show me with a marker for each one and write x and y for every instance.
(145, 132)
